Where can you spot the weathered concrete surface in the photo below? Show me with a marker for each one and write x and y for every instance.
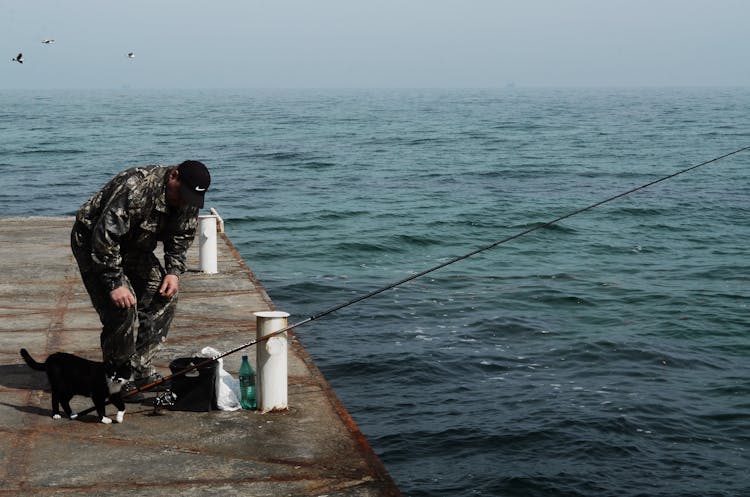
(314, 448)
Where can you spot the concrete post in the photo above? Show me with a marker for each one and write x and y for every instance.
(271, 362)
(207, 251)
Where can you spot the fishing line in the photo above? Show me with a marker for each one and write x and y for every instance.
(414, 276)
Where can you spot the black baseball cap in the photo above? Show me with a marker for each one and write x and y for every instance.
(194, 180)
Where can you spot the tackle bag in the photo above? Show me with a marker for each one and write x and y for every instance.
(196, 389)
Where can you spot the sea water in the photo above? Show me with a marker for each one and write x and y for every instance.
(606, 355)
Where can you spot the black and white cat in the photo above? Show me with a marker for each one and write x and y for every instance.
(71, 375)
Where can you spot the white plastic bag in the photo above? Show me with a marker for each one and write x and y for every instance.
(227, 387)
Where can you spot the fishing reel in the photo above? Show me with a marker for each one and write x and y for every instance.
(164, 400)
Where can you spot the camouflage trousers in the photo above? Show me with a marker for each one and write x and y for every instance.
(152, 316)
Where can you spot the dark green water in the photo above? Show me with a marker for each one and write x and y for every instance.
(606, 356)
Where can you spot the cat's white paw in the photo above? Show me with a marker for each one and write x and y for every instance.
(120, 416)
(56, 416)
(106, 420)
(74, 415)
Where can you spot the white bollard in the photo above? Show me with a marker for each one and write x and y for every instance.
(271, 362)
(207, 252)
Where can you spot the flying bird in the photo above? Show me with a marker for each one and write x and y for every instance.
(131, 55)
(18, 58)
(47, 41)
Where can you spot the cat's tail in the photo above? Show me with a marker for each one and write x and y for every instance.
(31, 362)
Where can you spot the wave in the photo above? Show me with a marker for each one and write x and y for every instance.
(54, 151)
(318, 165)
(349, 247)
(282, 156)
(331, 215)
(557, 227)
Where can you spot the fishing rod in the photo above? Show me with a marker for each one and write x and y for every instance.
(414, 276)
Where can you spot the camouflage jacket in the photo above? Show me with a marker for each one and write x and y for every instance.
(129, 216)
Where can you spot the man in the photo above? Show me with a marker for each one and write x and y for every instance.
(113, 240)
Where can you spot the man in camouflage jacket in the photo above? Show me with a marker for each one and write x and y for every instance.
(113, 240)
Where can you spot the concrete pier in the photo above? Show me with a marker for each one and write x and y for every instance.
(313, 448)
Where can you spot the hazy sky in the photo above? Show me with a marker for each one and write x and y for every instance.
(381, 43)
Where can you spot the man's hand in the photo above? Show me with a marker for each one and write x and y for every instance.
(122, 298)
(169, 285)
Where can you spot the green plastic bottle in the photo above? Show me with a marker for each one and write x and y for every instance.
(247, 385)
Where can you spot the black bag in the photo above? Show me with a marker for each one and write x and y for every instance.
(196, 389)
